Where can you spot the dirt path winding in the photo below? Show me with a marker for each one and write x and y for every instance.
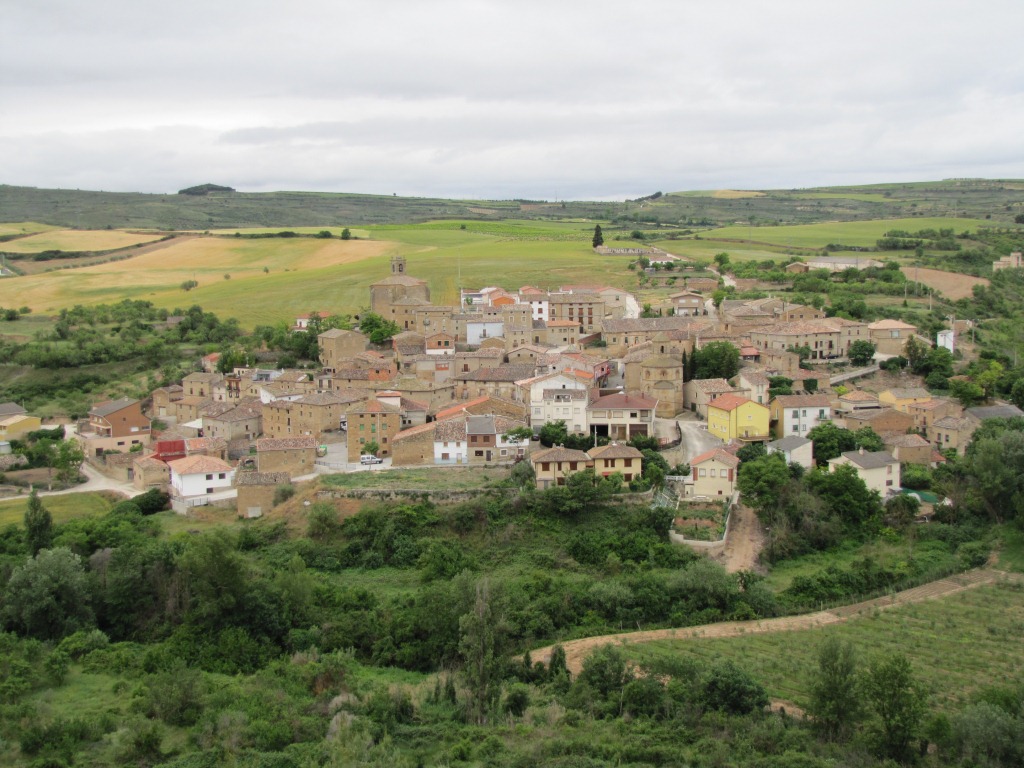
(577, 650)
(744, 543)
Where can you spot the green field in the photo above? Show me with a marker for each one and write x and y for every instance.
(858, 233)
(62, 507)
(448, 478)
(934, 635)
(310, 273)
(77, 240)
(23, 228)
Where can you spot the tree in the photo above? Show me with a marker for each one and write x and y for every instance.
(761, 480)
(861, 352)
(830, 441)
(482, 632)
(517, 435)
(717, 360)
(38, 525)
(722, 260)
(553, 433)
(68, 461)
(868, 439)
(989, 378)
(1017, 393)
(967, 392)
(377, 328)
(48, 597)
(846, 495)
(598, 236)
(346, 234)
(899, 703)
(730, 689)
(836, 699)
(371, 447)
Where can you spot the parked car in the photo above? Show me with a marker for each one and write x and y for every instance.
(369, 458)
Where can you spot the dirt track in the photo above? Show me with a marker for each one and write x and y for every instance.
(745, 541)
(577, 650)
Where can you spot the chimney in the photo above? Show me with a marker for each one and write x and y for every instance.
(861, 451)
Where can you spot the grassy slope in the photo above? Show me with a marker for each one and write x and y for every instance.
(859, 233)
(327, 274)
(63, 507)
(76, 240)
(933, 634)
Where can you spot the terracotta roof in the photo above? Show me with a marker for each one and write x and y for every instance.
(730, 402)
(624, 401)
(419, 429)
(558, 453)
(907, 441)
(374, 406)
(196, 444)
(509, 373)
(804, 401)
(859, 396)
(903, 393)
(450, 429)
(615, 451)
(148, 462)
(711, 386)
(891, 325)
(929, 405)
(953, 422)
(199, 465)
(262, 478)
(285, 443)
(717, 454)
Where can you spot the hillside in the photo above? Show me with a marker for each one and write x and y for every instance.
(999, 200)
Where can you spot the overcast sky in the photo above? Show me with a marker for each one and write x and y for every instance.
(498, 99)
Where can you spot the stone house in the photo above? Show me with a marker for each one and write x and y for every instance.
(292, 455)
(372, 421)
(795, 450)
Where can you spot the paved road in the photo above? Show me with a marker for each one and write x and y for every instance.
(96, 481)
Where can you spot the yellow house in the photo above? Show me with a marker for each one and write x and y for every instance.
(900, 399)
(612, 458)
(17, 426)
(731, 417)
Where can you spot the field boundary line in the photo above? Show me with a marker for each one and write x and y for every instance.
(577, 650)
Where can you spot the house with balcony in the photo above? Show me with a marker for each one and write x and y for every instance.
(731, 417)
(799, 414)
(116, 425)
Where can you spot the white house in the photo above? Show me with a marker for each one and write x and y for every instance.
(541, 392)
(799, 414)
(878, 469)
(484, 328)
(795, 450)
(199, 476)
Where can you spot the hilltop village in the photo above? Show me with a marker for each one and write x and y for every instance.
(478, 383)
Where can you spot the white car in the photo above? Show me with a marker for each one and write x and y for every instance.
(369, 458)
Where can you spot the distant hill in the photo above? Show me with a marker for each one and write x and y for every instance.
(211, 206)
(204, 189)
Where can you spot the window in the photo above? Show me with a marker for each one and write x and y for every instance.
(796, 427)
(572, 465)
(478, 453)
(627, 462)
(545, 466)
(221, 476)
(209, 490)
(712, 472)
(796, 414)
(444, 457)
(703, 472)
(209, 477)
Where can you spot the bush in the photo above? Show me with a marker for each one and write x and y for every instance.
(282, 493)
(730, 689)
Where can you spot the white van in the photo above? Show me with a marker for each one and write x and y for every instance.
(369, 458)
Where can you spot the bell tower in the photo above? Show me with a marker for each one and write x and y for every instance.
(398, 265)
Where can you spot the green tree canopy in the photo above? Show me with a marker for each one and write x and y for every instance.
(48, 597)
(717, 360)
(38, 525)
